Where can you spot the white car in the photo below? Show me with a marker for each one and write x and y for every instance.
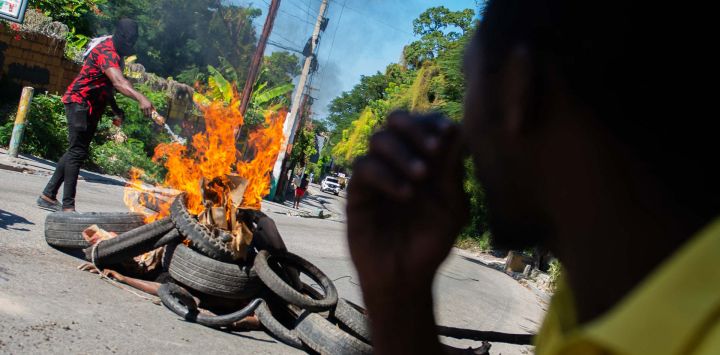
(330, 184)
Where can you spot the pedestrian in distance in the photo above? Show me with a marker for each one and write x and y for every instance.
(85, 102)
(300, 191)
(588, 124)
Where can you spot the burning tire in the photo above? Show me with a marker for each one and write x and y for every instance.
(326, 338)
(354, 318)
(217, 278)
(200, 236)
(133, 243)
(287, 292)
(64, 230)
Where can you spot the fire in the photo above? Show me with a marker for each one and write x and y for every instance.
(213, 155)
(139, 202)
(267, 143)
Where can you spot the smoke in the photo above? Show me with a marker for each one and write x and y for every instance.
(330, 85)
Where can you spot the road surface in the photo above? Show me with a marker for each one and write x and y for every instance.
(47, 306)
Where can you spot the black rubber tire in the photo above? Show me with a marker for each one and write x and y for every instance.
(286, 292)
(266, 235)
(129, 244)
(64, 230)
(326, 338)
(354, 318)
(171, 237)
(181, 302)
(217, 278)
(201, 237)
(277, 329)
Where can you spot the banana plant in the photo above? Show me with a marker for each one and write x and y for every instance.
(264, 99)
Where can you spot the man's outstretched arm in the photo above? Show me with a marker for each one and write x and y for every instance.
(406, 206)
(123, 86)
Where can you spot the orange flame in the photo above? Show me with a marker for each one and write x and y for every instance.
(267, 143)
(213, 154)
(140, 202)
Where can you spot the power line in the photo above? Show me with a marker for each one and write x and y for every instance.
(291, 15)
(289, 41)
(281, 46)
(299, 7)
(309, 15)
(374, 18)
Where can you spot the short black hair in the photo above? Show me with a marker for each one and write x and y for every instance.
(637, 64)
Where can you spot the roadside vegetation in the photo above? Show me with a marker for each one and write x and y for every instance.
(428, 78)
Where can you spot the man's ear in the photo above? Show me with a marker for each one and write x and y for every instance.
(516, 90)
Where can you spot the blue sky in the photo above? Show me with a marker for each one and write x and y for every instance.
(363, 37)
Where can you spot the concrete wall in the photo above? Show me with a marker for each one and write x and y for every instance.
(33, 60)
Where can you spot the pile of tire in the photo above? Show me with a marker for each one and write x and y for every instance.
(200, 262)
(301, 316)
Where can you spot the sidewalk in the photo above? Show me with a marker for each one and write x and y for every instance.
(534, 284)
(29, 164)
(310, 207)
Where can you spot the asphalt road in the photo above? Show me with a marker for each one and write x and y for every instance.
(47, 306)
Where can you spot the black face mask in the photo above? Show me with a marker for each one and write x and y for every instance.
(126, 34)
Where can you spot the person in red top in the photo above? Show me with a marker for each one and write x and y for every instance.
(85, 102)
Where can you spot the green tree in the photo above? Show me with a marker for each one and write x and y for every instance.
(347, 107)
(78, 15)
(354, 141)
(304, 147)
(438, 28)
(430, 79)
(280, 68)
(185, 36)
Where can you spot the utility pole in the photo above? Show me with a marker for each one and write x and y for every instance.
(258, 56)
(290, 122)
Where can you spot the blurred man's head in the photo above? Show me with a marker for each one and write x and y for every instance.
(557, 87)
(125, 37)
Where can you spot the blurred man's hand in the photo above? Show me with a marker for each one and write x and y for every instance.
(145, 106)
(406, 203)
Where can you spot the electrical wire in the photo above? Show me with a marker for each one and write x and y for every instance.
(299, 7)
(373, 18)
(288, 41)
(279, 45)
(289, 14)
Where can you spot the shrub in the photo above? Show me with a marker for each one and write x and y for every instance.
(139, 127)
(475, 243)
(46, 135)
(46, 131)
(78, 15)
(477, 226)
(554, 272)
(114, 158)
(118, 158)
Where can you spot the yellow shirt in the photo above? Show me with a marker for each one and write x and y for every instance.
(674, 311)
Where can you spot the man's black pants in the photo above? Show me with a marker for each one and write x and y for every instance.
(81, 129)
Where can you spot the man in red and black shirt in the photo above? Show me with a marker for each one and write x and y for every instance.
(85, 102)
